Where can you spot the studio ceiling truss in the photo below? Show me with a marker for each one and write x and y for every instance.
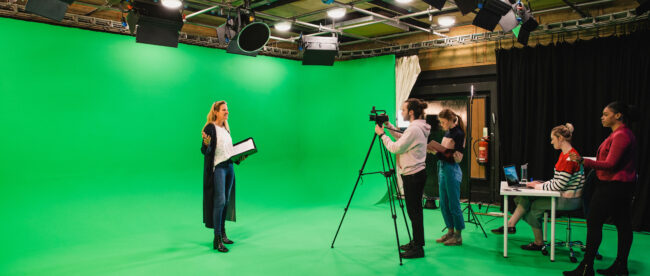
(404, 21)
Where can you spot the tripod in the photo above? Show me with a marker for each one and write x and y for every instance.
(471, 216)
(388, 171)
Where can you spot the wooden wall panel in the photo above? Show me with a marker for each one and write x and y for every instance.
(479, 106)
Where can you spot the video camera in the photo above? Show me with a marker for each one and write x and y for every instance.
(380, 119)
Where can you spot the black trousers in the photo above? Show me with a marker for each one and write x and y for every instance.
(610, 199)
(413, 191)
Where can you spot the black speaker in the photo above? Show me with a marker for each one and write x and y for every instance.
(319, 50)
(52, 9)
(466, 6)
(250, 40)
(155, 24)
(438, 4)
(489, 16)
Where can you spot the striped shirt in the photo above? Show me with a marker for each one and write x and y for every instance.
(569, 177)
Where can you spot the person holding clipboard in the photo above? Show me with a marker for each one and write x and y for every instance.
(218, 172)
(449, 153)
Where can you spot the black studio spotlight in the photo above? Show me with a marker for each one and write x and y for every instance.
(52, 9)
(489, 16)
(644, 6)
(528, 23)
(243, 35)
(438, 4)
(509, 21)
(466, 6)
(319, 50)
(154, 23)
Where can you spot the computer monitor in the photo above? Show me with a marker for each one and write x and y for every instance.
(510, 172)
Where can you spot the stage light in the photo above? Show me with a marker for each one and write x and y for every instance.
(52, 9)
(446, 21)
(489, 16)
(319, 50)
(172, 4)
(438, 4)
(404, 1)
(336, 12)
(283, 26)
(644, 6)
(466, 6)
(154, 24)
(250, 40)
(242, 36)
(528, 23)
(509, 21)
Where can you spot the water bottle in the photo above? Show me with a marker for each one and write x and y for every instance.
(524, 173)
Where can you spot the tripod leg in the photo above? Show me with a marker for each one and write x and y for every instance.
(393, 214)
(396, 189)
(385, 163)
(354, 189)
(401, 206)
(476, 221)
(472, 218)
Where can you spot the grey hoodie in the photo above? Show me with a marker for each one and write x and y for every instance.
(410, 147)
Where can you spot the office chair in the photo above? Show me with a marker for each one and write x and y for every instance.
(580, 212)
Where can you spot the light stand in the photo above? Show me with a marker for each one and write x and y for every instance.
(471, 216)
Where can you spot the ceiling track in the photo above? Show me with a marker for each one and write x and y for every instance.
(596, 22)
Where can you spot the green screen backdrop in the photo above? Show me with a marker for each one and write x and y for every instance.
(101, 135)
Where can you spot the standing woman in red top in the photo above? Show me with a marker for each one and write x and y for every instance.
(615, 166)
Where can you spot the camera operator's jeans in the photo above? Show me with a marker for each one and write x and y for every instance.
(450, 177)
(413, 191)
(224, 177)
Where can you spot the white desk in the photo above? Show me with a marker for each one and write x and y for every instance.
(506, 191)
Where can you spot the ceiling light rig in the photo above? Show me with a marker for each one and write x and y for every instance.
(446, 21)
(243, 35)
(52, 9)
(155, 23)
(283, 26)
(172, 4)
(336, 13)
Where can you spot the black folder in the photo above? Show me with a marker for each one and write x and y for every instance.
(243, 148)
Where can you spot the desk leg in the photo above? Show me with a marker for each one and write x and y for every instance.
(505, 226)
(553, 229)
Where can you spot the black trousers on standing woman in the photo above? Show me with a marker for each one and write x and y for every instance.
(610, 199)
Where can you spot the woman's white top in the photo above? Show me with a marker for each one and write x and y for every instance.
(224, 146)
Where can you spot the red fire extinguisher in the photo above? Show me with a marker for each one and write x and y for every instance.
(482, 156)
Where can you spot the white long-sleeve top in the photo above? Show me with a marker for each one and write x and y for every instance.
(224, 148)
(410, 147)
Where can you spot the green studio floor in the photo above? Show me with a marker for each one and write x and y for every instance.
(89, 232)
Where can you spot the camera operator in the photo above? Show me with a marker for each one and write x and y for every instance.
(411, 151)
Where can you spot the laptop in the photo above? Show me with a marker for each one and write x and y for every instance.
(510, 172)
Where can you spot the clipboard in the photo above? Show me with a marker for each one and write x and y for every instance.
(243, 148)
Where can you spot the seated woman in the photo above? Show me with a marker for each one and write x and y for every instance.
(569, 179)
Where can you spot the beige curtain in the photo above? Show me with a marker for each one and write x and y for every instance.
(407, 70)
